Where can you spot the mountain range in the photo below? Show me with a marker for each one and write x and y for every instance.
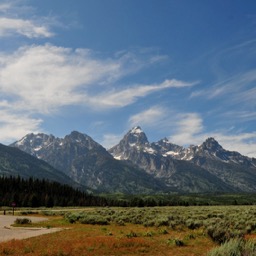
(135, 165)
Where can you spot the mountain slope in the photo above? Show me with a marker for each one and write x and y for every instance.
(14, 162)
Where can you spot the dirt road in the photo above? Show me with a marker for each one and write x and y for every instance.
(8, 233)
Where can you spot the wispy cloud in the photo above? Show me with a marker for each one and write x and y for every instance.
(234, 74)
(150, 117)
(188, 127)
(26, 28)
(229, 86)
(13, 22)
(110, 140)
(127, 96)
(16, 125)
(233, 99)
(239, 116)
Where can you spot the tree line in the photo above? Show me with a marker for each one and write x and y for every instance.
(35, 193)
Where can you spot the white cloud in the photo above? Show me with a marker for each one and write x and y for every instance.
(14, 126)
(128, 96)
(150, 117)
(44, 78)
(110, 140)
(188, 126)
(240, 116)
(15, 19)
(233, 85)
(28, 28)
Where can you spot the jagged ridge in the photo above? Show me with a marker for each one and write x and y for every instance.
(222, 169)
(88, 163)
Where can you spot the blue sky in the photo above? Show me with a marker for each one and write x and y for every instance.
(180, 69)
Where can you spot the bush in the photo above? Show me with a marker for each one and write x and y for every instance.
(131, 234)
(73, 217)
(29, 212)
(234, 247)
(221, 233)
(22, 221)
(120, 222)
(163, 232)
(162, 222)
(193, 224)
(94, 220)
(179, 242)
(176, 241)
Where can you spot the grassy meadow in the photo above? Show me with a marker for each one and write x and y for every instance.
(193, 230)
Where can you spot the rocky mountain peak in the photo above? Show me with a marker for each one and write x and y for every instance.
(76, 136)
(136, 136)
(211, 144)
(81, 139)
(211, 148)
(134, 140)
(31, 143)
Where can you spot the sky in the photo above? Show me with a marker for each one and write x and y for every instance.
(180, 69)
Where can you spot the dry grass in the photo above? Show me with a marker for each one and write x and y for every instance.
(96, 240)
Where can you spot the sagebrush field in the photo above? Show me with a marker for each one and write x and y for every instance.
(152, 231)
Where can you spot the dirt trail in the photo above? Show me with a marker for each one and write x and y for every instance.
(8, 233)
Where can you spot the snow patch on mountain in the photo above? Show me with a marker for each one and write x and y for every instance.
(171, 153)
(136, 130)
(149, 150)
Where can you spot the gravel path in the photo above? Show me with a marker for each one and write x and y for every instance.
(8, 233)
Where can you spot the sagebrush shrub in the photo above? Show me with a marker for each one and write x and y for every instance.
(22, 221)
(234, 247)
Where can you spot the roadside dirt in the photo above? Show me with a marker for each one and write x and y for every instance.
(7, 232)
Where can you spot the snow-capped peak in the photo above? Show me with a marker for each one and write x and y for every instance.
(136, 130)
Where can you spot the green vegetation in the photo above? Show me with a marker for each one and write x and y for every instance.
(235, 247)
(221, 223)
(209, 230)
